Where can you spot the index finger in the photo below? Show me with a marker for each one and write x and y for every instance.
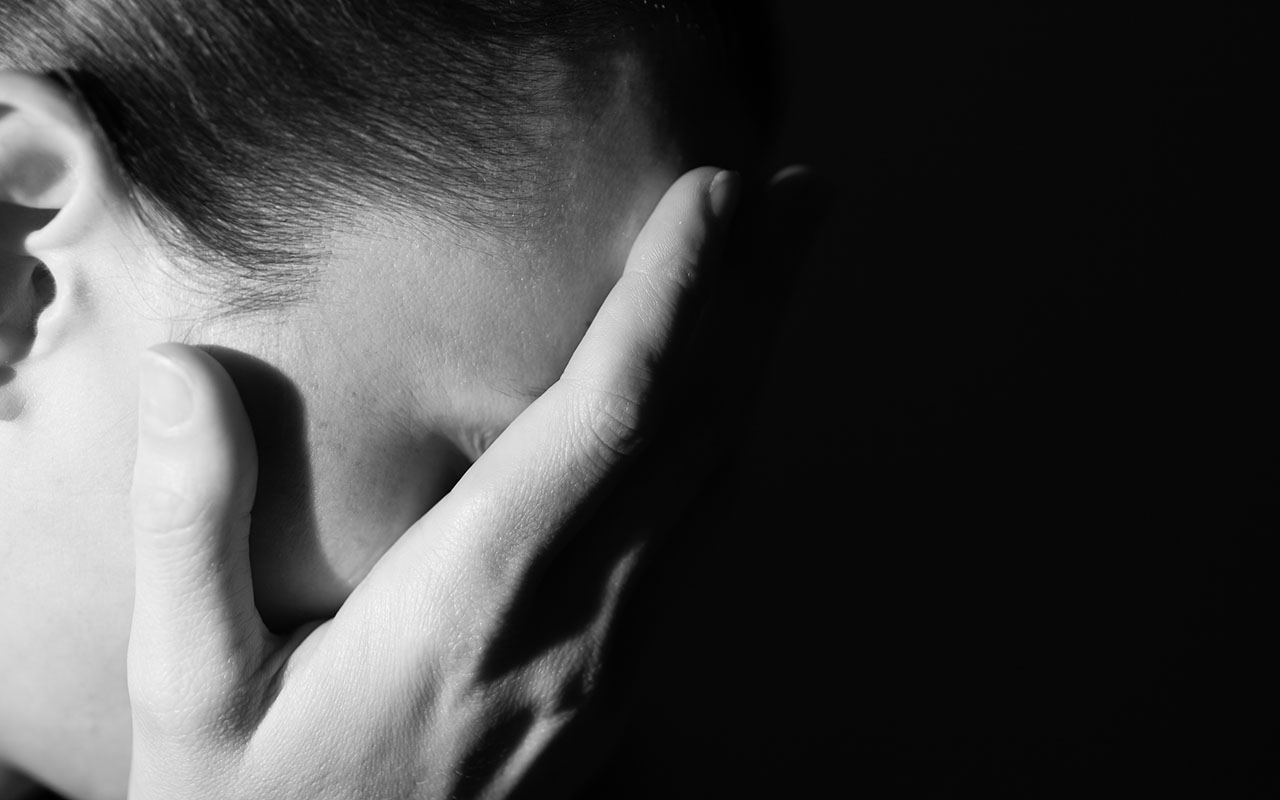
(525, 494)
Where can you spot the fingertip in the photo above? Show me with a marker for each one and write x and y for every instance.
(803, 188)
(184, 390)
(723, 194)
(792, 172)
(194, 438)
(166, 396)
(201, 370)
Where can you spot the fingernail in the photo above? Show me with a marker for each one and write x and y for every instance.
(723, 193)
(167, 400)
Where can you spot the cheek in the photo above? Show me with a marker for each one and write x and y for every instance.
(66, 578)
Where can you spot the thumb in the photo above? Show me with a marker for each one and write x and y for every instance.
(195, 629)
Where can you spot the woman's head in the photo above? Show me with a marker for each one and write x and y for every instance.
(391, 221)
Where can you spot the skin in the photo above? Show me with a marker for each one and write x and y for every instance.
(427, 683)
(473, 657)
(410, 359)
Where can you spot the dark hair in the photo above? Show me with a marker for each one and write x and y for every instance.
(243, 128)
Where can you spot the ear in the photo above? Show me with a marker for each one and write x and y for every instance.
(57, 194)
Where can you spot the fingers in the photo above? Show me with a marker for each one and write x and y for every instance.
(550, 464)
(194, 622)
(736, 340)
(677, 478)
(680, 472)
(644, 316)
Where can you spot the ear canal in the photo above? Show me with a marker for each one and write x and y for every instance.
(26, 289)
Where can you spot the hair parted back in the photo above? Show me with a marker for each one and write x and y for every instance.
(244, 128)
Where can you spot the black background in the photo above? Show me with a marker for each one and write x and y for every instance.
(1009, 527)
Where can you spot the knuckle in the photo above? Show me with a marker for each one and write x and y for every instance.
(464, 642)
(683, 268)
(158, 509)
(678, 262)
(566, 679)
(612, 425)
(180, 703)
(660, 292)
(166, 702)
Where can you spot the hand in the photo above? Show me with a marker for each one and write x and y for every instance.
(438, 677)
